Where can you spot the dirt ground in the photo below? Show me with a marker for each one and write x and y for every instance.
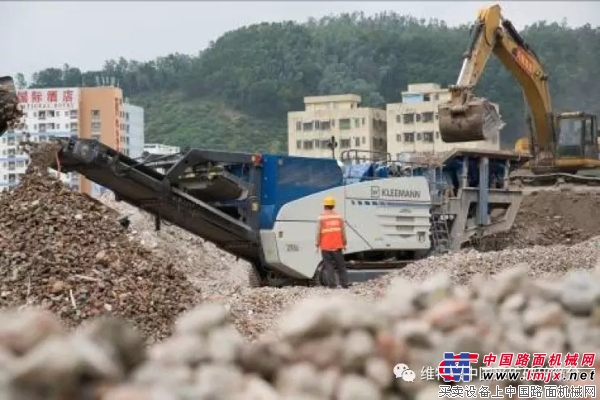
(551, 217)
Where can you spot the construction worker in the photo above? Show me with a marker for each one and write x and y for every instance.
(331, 240)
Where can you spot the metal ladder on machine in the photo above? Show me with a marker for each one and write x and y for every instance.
(438, 225)
(440, 236)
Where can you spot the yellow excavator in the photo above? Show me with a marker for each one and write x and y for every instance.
(560, 144)
(10, 112)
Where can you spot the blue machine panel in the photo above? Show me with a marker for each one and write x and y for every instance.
(288, 178)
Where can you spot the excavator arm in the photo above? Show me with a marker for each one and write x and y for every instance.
(462, 119)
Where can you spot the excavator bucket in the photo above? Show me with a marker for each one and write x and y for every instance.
(10, 112)
(474, 120)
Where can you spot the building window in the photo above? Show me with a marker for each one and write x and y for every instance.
(408, 118)
(409, 137)
(356, 142)
(95, 114)
(307, 144)
(357, 122)
(307, 126)
(398, 137)
(344, 124)
(427, 97)
(324, 125)
(316, 143)
(419, 136)
(298, 144)
(96, 126)
(437, 135)
(364, 140)
(427, 117)
(436, 116)
(418, 117)
(73, 113)
(73, 126)
(345, 143)
(398, 118)
(363, 122)
(324, 144)
(428, 137)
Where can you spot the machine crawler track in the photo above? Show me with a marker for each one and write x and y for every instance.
(554, 179)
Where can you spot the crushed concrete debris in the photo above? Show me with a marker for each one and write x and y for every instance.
(551, 217)
(329, 348)
(66, 252)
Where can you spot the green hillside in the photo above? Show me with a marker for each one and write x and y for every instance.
(173, 119)
(235, 94)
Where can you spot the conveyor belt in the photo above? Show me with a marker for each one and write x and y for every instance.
(145, 188)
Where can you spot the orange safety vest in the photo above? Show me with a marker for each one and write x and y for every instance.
(331, 236)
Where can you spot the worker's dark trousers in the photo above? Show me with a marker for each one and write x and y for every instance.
(333, 262)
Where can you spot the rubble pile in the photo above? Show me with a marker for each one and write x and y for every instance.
(10, 112)
(550, 217)
(330, 348)
(66, 252)
(542, 261)
(218, 273)
(255, 312)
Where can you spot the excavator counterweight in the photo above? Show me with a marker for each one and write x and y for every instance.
(10, 113)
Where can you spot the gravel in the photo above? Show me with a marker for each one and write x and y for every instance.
(10, 112)
(551, 217)
(65, 252)
(66, 261)
(329, 348)
(218, 276)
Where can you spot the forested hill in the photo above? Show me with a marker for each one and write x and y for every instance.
(235, 94)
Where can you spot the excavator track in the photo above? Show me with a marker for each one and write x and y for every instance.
(553, 179)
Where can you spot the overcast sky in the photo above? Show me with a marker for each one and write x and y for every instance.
(85, 34)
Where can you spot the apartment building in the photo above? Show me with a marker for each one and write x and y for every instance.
(131, 135)
(161, 149)
(96, 113)
(412, 125)
(341, 119)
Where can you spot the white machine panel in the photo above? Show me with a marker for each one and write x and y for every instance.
(383, 214)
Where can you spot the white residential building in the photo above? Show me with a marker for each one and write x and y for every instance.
(413, 127)
(90, 112)
(339, 117)
(48, 113)
(161, 150)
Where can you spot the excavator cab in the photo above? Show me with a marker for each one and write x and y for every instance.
(466, 118)
(576, 135)
(10, 113)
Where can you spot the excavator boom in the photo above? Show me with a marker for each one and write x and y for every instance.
(10, 112)
(467, 118)
(562, 144)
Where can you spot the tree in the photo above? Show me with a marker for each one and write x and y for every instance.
(236, 93)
